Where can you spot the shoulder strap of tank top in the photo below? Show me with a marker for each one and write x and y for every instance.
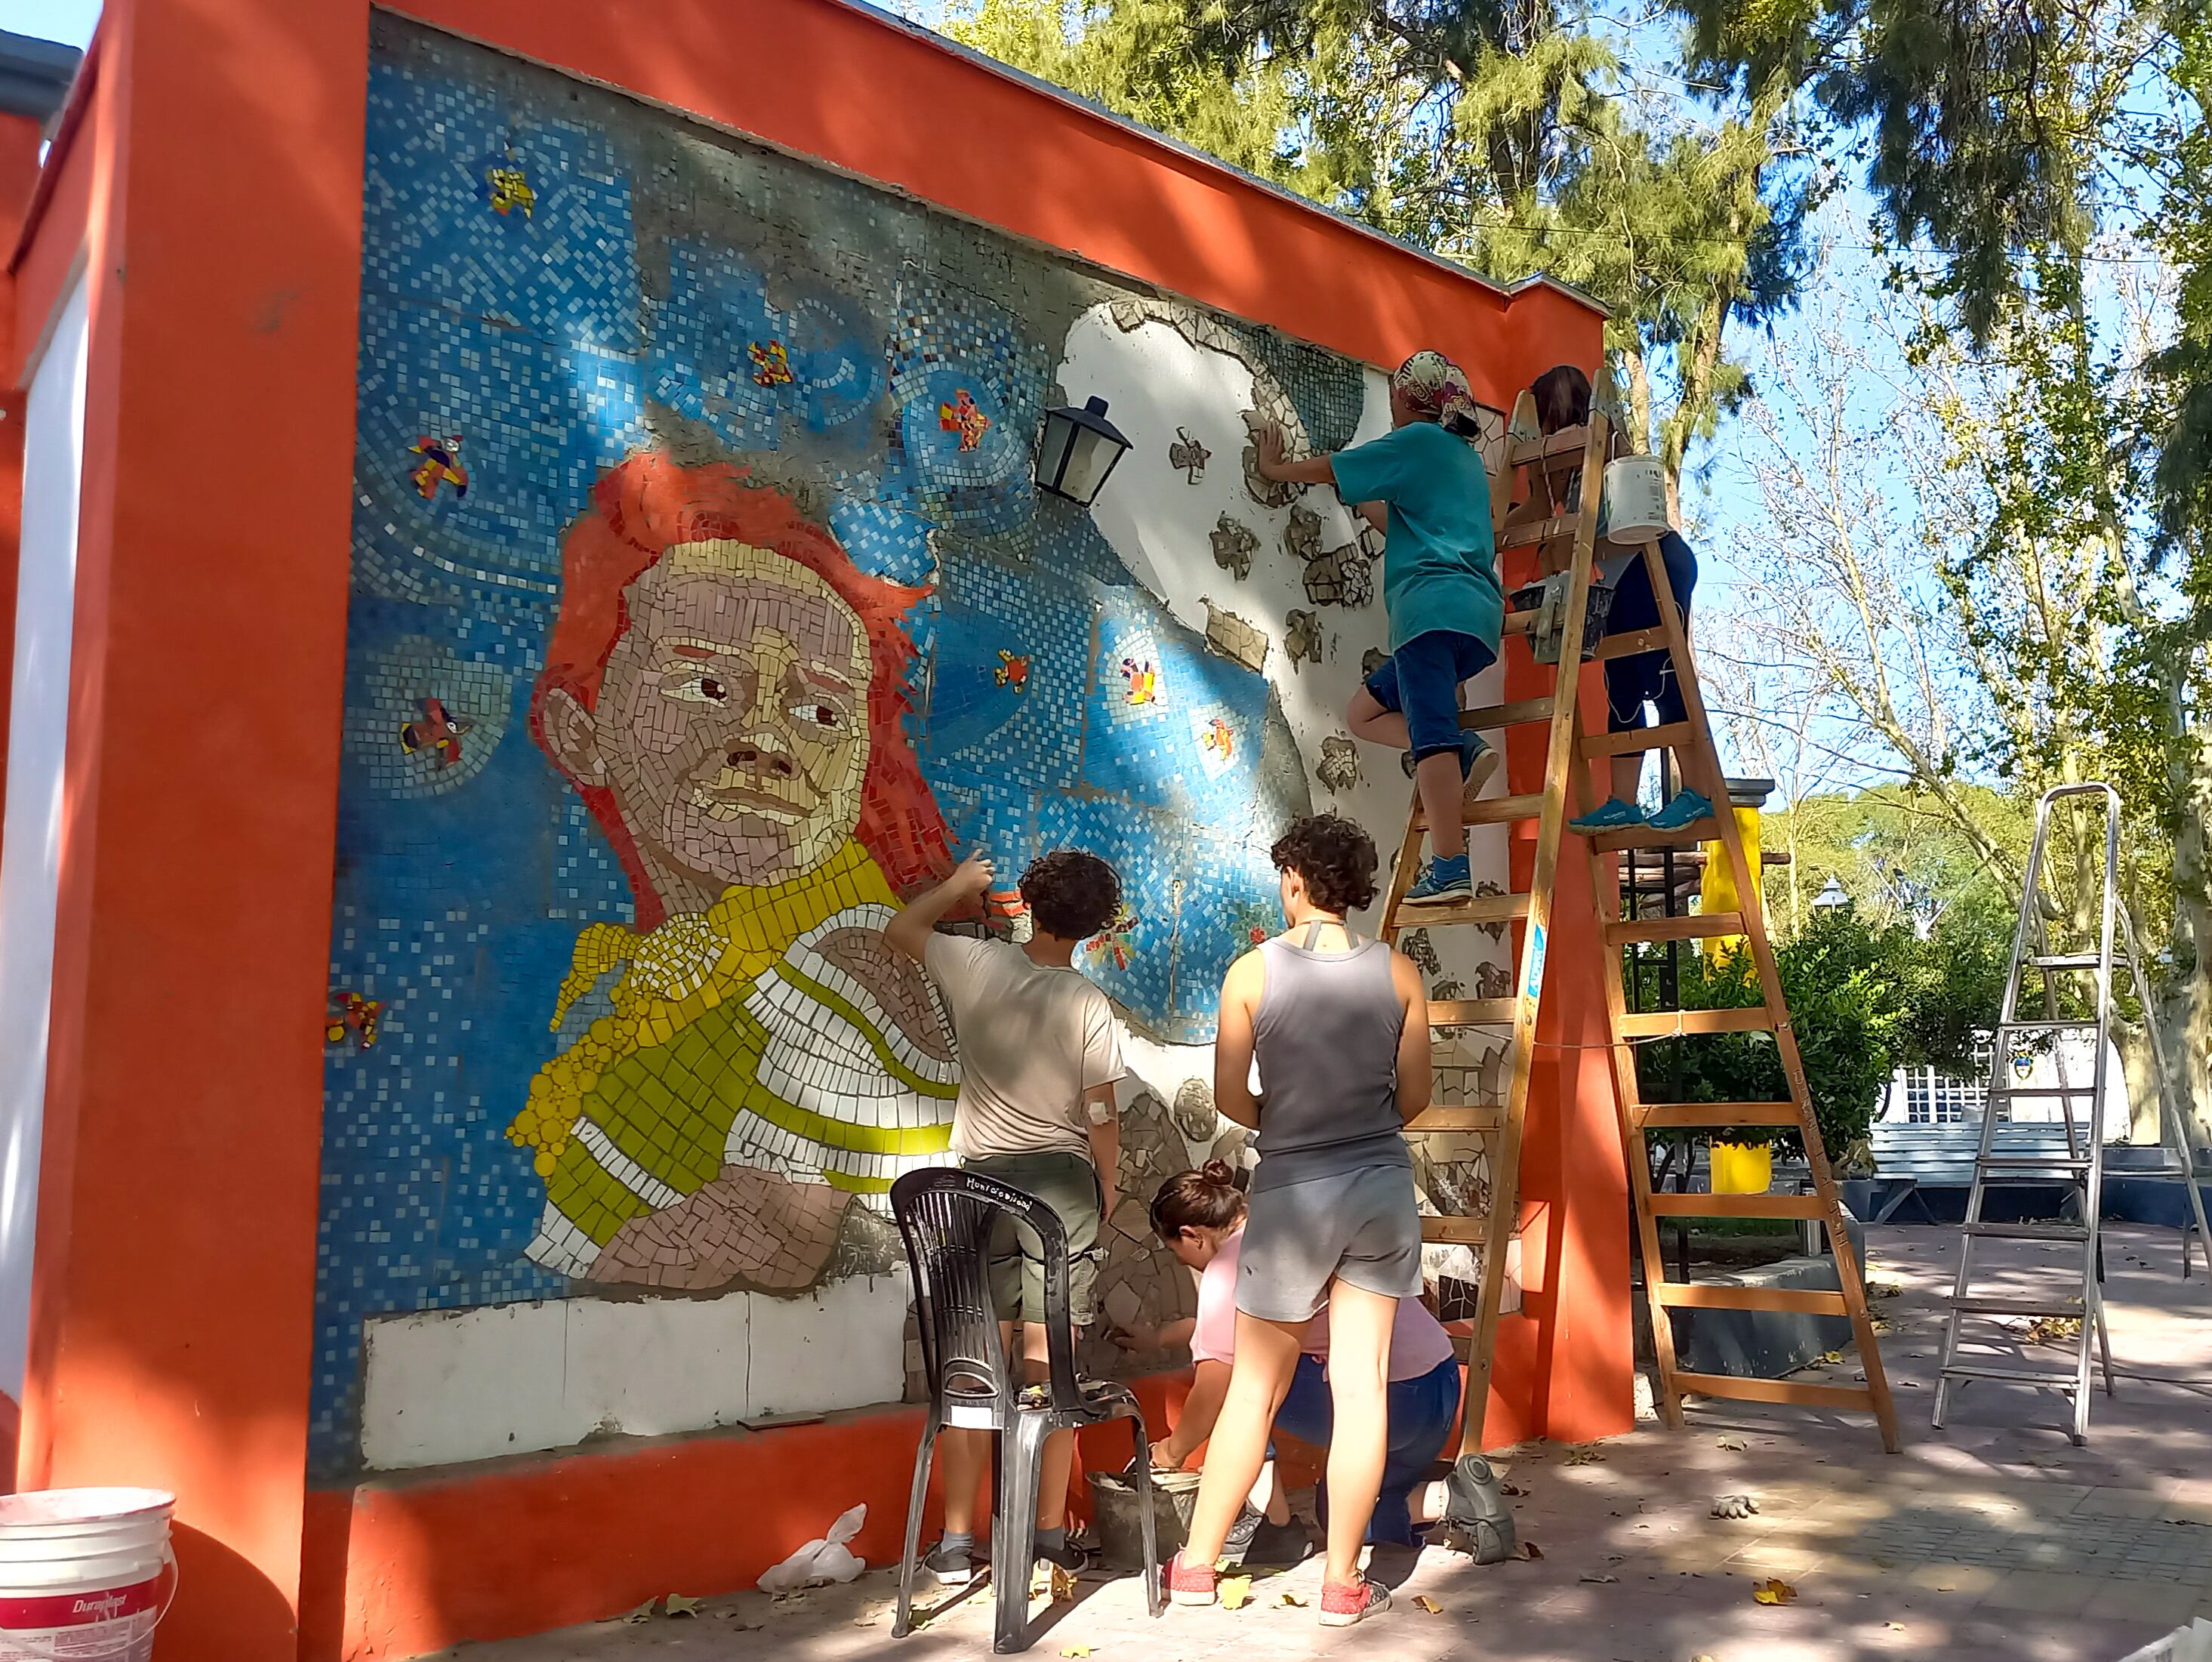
(1351, 942)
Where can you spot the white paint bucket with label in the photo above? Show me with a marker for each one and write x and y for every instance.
(86, 1574)
(1634, 506)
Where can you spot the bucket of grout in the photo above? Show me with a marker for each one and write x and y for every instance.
(86, 1574)
(1114, 1503)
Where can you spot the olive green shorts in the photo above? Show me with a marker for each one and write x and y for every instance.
(1068, 1183)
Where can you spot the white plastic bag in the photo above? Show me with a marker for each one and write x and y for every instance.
(820, 1562)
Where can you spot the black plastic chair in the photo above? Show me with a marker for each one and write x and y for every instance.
(948, 1218)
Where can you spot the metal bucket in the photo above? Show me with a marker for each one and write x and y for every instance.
(1115, 1513)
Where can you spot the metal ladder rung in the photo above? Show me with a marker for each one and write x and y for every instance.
(2056, 1024)
(2033, 1162)
(2065, 1382)
(2063, 1234)
(2014, 1307)
(2042, 1091)
(2067, 961)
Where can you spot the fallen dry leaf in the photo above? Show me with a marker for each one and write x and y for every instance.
(1734, 1444)
(1529, 1550)
(1832, 1356)
(1292, 1600)
(1234, 1591)
(643, 1612)
(1583, 1456)
(1592, 1575)
(1075, 1650)
(1774, 1590)
(677, 1604)
(1422, 1601)
(1510, 1487)
(1894, 1627)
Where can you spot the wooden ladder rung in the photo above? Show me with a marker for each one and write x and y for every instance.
(1482, 908)
(1487, 717)
(1539, 530)
(1628, 646)
(1456, 1232)
(1687, 926)
(1669, 1205)
(1666, 1024)
(1564, 446)
(1491, 811)
(1673, 735)
(1802, 1392)
(1649, 837)
(1683, 1115)
(1470, 1012)
(1713, 1295)
(1479, 1121)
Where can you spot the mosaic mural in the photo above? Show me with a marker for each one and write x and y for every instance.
(704, 606)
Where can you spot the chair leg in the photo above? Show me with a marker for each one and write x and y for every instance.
(1013, 1534)
(1155, 1594)
(901, 1622)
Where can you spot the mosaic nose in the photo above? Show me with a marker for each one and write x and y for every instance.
(762, 760)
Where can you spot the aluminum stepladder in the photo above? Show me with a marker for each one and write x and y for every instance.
(1583, 452)
(2083, 1166)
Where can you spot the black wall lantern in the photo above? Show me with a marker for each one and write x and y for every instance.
(1078, 451)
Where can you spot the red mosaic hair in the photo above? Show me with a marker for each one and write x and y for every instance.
(650, 504)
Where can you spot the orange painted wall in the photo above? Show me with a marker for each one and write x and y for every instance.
(211, 188)
(176, 1197)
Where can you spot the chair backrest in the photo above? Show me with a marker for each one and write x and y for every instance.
(947, 1218)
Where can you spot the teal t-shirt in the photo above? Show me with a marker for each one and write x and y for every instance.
(1439, 561)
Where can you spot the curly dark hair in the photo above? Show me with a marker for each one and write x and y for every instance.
(1335, 857)
(1562, 398)
(1071, 893)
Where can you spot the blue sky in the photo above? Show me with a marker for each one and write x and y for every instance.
(67, 20)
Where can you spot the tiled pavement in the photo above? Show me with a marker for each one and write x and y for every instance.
(1995, 1539)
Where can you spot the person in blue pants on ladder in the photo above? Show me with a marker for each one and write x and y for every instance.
(1424, 484)
(1644, 678)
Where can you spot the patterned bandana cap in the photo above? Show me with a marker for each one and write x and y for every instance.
(1433, 384)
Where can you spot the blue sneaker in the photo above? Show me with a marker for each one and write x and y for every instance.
(1442, 879)
(1613, 814)
(1685, 810)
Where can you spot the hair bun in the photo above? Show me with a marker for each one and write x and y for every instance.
(1218, 1173)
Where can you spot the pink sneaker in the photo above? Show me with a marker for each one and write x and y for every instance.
(1343, 1602)
(1189, 1584)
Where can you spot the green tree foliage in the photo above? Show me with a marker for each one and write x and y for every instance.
(1504, 137)
(1865, 999)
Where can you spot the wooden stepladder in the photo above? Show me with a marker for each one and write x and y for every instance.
(1571, 530)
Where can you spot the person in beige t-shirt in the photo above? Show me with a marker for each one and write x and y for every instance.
(1040, 1054)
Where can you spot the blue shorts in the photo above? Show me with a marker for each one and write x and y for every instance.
(1647, 677)
(1421, 1414)
(1421, 680)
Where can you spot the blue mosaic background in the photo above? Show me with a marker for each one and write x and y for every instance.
(618, 312)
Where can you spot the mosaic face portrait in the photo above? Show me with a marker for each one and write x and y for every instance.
(731, 722)
(724, 689)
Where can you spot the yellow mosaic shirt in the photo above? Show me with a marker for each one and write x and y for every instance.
(734, 1041)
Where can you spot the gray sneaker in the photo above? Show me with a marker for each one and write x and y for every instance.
(947, 1567)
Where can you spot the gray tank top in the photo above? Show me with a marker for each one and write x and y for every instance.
(1327, 1041)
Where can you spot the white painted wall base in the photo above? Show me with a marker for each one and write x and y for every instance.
(446, 1387)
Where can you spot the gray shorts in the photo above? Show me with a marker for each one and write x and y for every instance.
(1362, 1226)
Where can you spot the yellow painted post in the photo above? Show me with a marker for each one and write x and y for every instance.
(1717, 891)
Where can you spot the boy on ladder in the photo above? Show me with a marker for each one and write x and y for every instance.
(1425, 484)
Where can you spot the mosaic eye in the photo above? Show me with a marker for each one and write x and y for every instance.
(815, 713)
(693, 687)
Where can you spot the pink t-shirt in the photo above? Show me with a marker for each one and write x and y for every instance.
(1418, 1341)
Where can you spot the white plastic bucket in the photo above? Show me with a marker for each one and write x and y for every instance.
(86, 1574)
(1634, 505)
